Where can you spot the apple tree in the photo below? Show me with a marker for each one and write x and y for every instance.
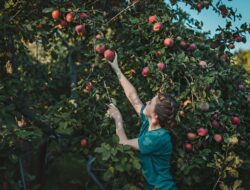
(56, 83)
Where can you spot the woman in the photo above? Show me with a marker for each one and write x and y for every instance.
(154, 142)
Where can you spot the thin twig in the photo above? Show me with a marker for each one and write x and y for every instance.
(113, 18)
(15, 14)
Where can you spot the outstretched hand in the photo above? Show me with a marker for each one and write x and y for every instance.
(113, 112)
(114, 63)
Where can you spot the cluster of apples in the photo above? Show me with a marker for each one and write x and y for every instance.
(201, 132)
(168, 42)
(70, 18)
(102, 49)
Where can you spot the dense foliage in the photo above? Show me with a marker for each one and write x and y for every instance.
(55, 85)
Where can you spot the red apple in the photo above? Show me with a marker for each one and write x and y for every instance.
(215, 116)
(83, 142)
(83, 15)
(109, 54)
(69, 17)
(235, 120)
(168, 42)
(55, 14)
(188, 147)
(191, 136)
(218, 138)
(192, 47)
(215, 124)
(89, 86)
(145, 71)
(202, 132)
(238, 38)
(151, 19)
(80, 29)
(160, 66)
(63, 24)
(248, 99)
(223, 10)
(157, 27)
(100, 48)
(183, 44)
(199, 6)
(231, 46)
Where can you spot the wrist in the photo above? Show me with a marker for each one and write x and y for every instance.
(117, 70)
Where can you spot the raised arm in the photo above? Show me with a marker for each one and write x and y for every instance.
(128, 88)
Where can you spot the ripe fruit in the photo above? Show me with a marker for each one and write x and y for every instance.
(157, 27)
(191, 136)
(83, 142)
(89, 86)
(168, 42)
(223, 10)
(215, 124)
(238, 38)
(199, 6)
(151, 19)
(202, 132)
(192, 47)
(183, 44)
(145, 71)
(215, 116)
(235, 120)
(203, 64)
(248, 99)
(218, 138)
(109, 54)
(83, 15)
(160, 66)
(80, 29)
(100, 48)
(63, 24)
(231, 46)
(55, 14)
(69, 17)
(188, 147)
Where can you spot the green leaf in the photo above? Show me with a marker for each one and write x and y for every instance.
(47, 10)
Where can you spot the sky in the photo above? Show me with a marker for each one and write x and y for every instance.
(212, 20)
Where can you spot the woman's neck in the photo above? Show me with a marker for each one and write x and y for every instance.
(153, 126)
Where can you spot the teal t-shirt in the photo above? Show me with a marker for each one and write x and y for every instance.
(155, 151)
